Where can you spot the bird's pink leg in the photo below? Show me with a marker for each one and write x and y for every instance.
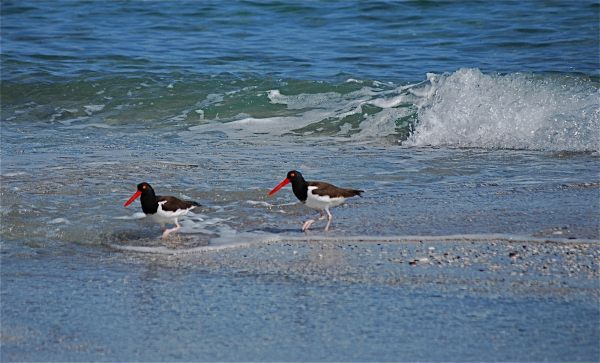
(329, 219)
(169, 230)
(308, 223)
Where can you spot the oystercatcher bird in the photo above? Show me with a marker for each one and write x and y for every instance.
(316, 195)
(161, 209)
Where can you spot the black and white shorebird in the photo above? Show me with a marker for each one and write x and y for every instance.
(161, 209)
(316, 195)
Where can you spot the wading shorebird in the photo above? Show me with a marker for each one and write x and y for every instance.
(316, 195)
(161, 209)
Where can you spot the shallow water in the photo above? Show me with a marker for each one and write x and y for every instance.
(68, 296)
(466, 131)
(302, 302)
(408, 191)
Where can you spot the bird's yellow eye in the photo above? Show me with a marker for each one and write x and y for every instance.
(144, 186)
(293, 175)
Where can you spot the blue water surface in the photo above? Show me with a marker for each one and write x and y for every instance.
(384, 40)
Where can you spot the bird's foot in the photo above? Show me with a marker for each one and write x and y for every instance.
(307, 225)
(169, 231)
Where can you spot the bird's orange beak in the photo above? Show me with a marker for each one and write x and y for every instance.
(279, 186)
(133, 197)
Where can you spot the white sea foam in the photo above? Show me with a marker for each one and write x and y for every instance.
(381, 124)
(352, 80)
(70, 121)
(90, 109)
(197, 223)
(136, 215)
(59, 221)
(224, 237)
(17, 173)
(305, 100)
(245, 127)
(90, 125)
(466, 108)
(268, 205)
(60, 112)
(180, 117)
(260, 203)
(517, 111)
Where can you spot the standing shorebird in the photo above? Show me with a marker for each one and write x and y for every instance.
(316, 195)
(161, 209)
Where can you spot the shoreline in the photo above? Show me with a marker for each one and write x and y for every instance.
(260, 238)
(558, 267)
(314, 301)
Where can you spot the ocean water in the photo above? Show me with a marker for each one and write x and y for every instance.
(456, 118)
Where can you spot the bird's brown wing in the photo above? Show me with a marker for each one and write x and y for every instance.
(172, 204)
(326, 189)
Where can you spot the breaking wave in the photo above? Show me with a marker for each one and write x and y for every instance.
(514, 111)
(463, 109)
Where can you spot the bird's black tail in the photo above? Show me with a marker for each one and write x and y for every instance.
(357, 192)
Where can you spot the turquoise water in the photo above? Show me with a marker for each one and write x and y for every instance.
(456, 119)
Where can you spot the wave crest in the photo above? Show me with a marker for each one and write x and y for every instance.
(516, 111)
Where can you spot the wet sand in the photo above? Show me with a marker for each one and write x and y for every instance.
(501, 265)
(317, 299)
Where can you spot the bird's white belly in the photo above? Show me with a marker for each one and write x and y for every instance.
(321, 202)
(163, 216)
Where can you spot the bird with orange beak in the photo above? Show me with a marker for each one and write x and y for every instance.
(316, 195)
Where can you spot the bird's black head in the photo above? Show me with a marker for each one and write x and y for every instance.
(144, 187)
(145, 190)
(294, 175)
